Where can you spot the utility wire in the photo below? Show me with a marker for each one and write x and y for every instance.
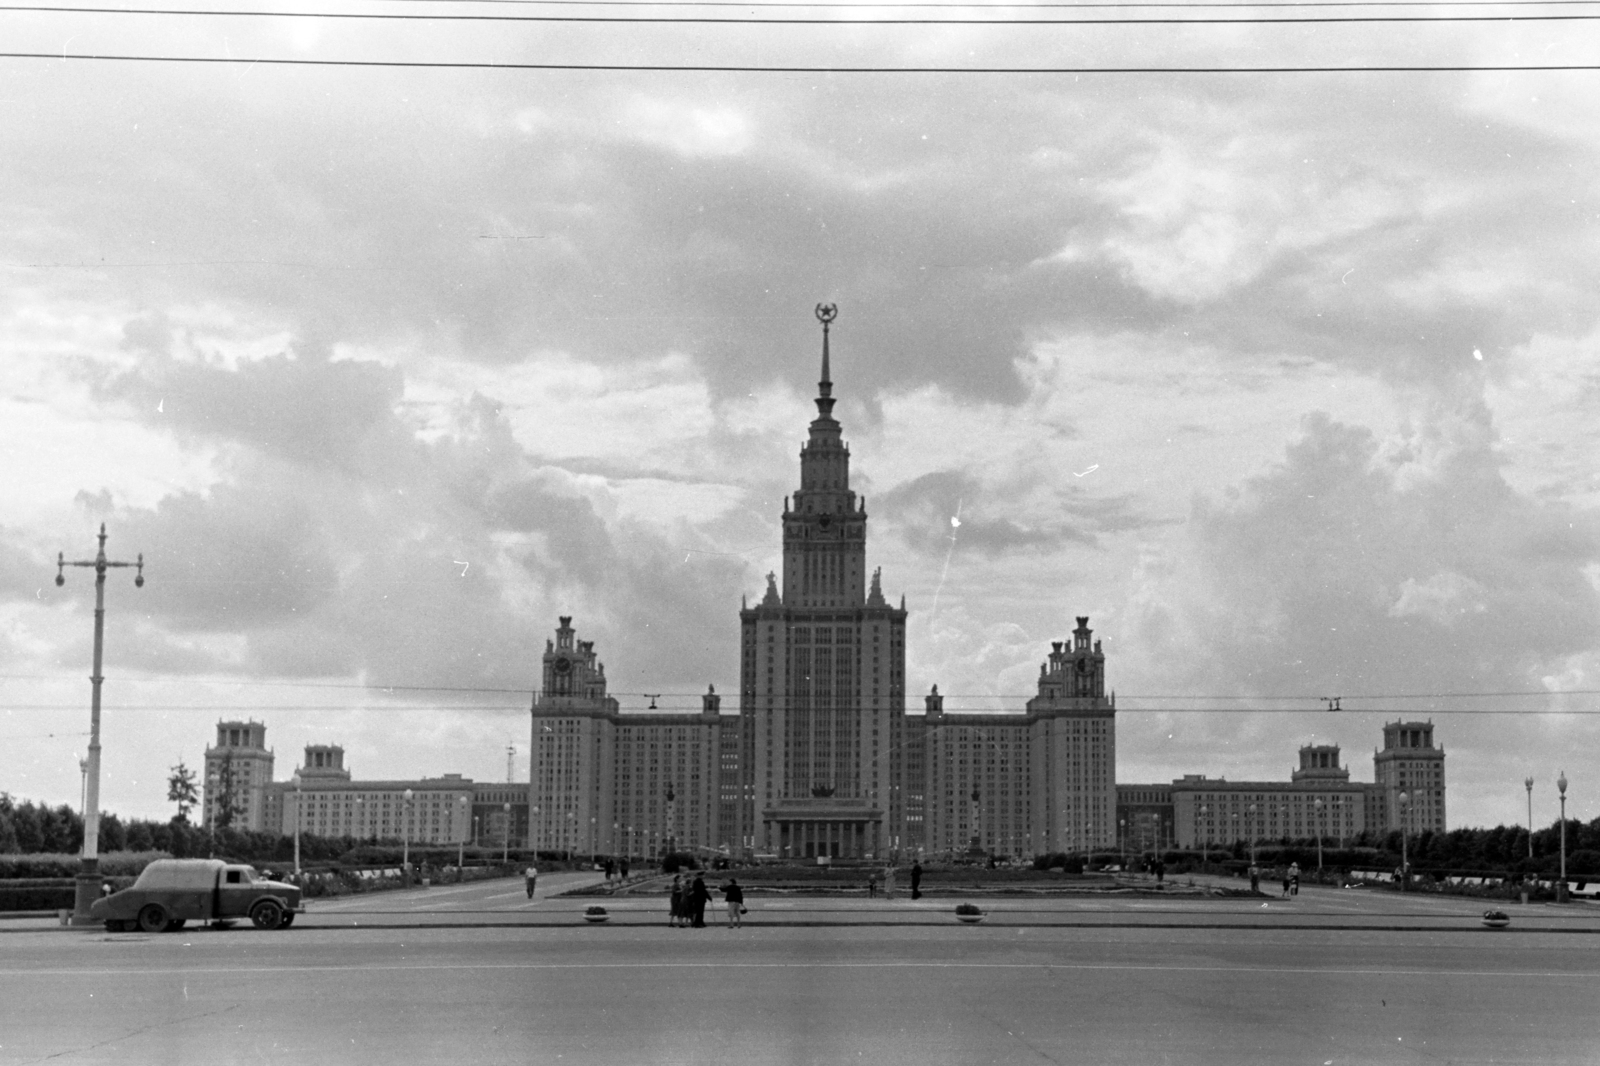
(370, 686)
(704, 68)
(1239, 4)
(687, 710)
(798, 20)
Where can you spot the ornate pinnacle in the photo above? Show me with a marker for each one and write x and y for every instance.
(825, 313)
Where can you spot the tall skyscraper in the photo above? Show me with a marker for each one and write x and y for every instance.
(823, 670)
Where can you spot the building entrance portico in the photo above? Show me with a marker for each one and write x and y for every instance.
(836, 828)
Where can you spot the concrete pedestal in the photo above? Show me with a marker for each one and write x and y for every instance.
(86, 892)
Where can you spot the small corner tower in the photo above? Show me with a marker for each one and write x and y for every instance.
(1409, 762)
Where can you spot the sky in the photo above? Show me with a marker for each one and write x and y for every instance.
(1287, 381)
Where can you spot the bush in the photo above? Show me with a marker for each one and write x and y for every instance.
(968, 908)
(679, 860)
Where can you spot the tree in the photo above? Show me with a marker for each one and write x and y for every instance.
(25, 823)
(181, 790)
(230, 804)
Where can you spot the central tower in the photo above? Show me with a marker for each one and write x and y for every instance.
(823, 671)
(825, 530)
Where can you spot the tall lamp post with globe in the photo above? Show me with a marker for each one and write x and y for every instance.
(405, 846)
(1405, 866)
(1561, 886)
(1318, 805)
(1527, 783)
(299, 797)
(88, 882)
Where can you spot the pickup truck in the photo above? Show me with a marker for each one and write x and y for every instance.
(170, 892)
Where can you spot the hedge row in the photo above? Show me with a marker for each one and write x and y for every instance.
(56, 865)
(37, 897)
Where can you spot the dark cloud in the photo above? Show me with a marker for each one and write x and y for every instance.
(303, 406)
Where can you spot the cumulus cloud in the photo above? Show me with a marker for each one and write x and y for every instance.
(1442, 598)
(383, 376)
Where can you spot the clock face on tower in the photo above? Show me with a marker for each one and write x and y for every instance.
(561, 666)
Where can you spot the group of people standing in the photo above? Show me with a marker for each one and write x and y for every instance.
(886, 878)
(689, 899)
(1290, 876)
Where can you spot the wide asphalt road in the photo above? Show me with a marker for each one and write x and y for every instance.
(789, 993)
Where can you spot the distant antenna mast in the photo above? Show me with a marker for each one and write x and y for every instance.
(511, 763)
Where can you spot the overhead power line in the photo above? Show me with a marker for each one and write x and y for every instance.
(688, 709)
(705, 68)
(911, 4)
(376, 687)
(795, 20)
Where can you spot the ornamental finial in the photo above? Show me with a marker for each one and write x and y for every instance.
(826, 313)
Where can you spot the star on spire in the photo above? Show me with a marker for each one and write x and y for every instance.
(826, 313)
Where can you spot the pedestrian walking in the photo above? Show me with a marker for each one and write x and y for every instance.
(872, 884)
(623, 870)
(1294, 879)
(888, 881)
(1255, 878)
(916, 880)
(675, 908)
(733, 896)
(531, 876)
(1285, 880)
(698, 898)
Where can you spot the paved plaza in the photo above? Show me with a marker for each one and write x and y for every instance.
(480, 974)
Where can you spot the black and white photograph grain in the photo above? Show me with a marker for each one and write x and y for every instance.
(800, 532)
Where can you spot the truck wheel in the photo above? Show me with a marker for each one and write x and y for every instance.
(153, 918)
(267, 914)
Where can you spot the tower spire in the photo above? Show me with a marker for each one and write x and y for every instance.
(826, 313)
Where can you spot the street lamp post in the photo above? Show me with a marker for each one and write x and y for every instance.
(461, 841)
(405, 847)
(1205, 855)
(1405, 866)
(1318, 805)
(1561, 886)
(1251, 829)
(1528, 784)
(299, 798)
(505, 839)
(88, 884)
